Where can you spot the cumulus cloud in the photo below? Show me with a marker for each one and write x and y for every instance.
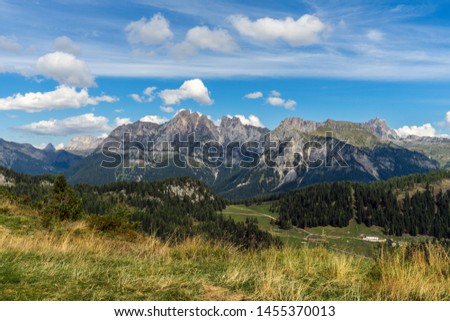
(87, 123)
(167, 109)
(61, 98)
(252, 120)
(215, 40)
(60, 146)
(122, 121)
(66, 69)
(304, 31)
(276, 100)
(149, 91)
(149, 32)
(426, 130)
(136, 98)
(9, 44)
(154, 119)
(147, 95)
(67, 45)
(375, 35)
(191, 89)
(254, 95)
(447, 119)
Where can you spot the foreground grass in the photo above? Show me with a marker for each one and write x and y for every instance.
(73, 262)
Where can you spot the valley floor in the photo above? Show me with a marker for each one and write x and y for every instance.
(73, 262)
(346, 240)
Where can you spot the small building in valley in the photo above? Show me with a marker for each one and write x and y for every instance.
(372, 238)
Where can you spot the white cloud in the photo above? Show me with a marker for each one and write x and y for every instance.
(290, 104)
(426, 130)
(9, 44)
(154, 119)
(122, 121)
(215, 40)
(167, 109)
(87, 123)
(152, 32)
(40, 146)
(375, 35)
(148, 95)
(191, 89)
(254, 95)
(61, 98)
(251, 120)
(149, 92)
(118, 111)
(67, 45)
(276, 100)
(66, 69)
(275, 93)
(136, 98)
(301, 32)
(60, 146)
(447, 119)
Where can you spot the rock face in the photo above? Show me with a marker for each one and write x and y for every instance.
(83, 145)
(232, 129)
(372, 152)
(3, 180)
(380, 129)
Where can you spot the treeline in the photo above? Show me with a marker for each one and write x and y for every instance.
(160, 208)
(402, 205)
(172, 209)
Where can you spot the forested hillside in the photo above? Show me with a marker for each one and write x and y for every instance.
(415, 205)
(173, 209)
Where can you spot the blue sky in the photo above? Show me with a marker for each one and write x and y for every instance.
(81, 67)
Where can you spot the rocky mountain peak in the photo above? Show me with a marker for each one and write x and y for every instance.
(228, 121)
(380, 128)
(186, 122)
(83, 145)
(233, 129)
(136, 130)
(299, 124)
(49, 148)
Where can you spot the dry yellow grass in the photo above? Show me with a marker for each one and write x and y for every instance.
(73, 262)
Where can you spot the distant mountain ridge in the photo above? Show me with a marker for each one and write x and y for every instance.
(25, 158)
(83, 145)
(373, 152)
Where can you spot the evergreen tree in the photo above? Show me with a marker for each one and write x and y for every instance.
(62, 203)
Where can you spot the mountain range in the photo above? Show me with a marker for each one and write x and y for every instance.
(370, 151)
(26, 158)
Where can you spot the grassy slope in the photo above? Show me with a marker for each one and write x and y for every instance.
(73, 262)
(339, 239)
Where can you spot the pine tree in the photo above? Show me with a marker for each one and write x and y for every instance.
(62, 203)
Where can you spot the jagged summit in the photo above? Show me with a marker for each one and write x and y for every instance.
(372, 152)
(83, 145)
(49, 148)
(380, 128)
(229, 128)
(237, 128)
